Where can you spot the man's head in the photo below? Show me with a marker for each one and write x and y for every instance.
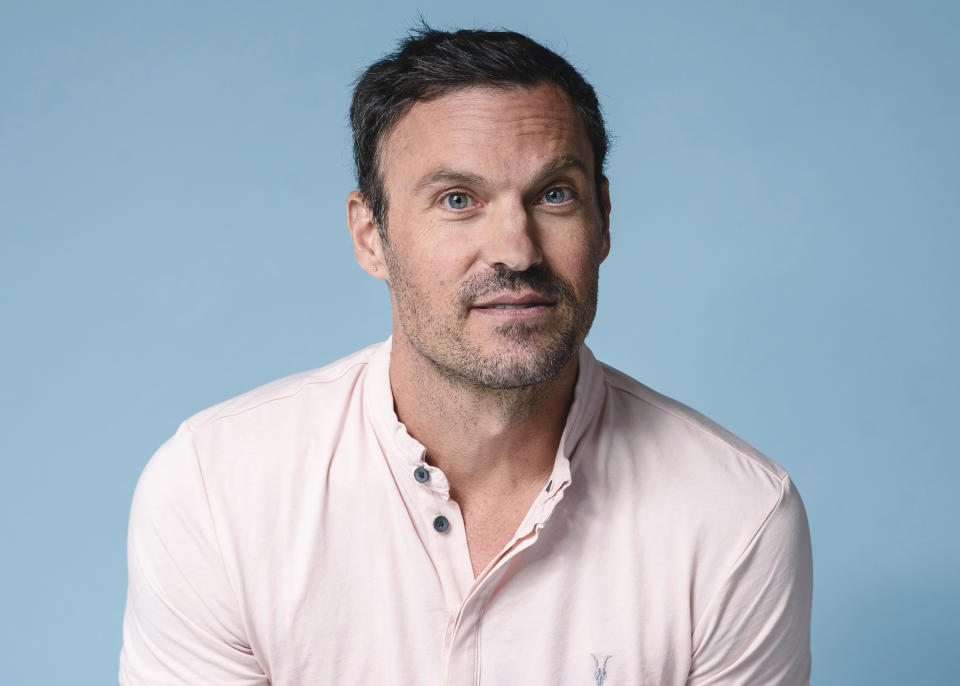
(430, 64)
(497, 205)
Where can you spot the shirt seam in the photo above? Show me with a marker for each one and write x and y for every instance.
(476, 668)
(275, 398)
(736, 563)
(698, 426)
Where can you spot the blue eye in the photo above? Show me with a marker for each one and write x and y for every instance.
(555, 196)
(458, 201)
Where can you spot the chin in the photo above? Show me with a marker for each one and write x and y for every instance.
(517, 366)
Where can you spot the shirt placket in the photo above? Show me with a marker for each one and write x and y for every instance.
(463, 640)
(443, 529)
(440, 525)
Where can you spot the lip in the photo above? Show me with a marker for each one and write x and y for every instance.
(512, 302)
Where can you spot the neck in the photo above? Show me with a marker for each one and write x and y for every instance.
(485, 440)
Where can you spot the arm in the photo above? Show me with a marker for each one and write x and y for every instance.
(182, 623)
(756, 629)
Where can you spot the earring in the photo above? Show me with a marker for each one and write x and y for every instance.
(375, 267)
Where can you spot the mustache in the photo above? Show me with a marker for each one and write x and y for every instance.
(539, 279)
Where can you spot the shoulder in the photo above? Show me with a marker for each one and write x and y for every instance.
(683, 462)
(326, 384)
(680, 477)
(246, 439)
(667, 414)
(662, 416)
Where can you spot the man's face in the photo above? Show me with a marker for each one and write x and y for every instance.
(495, 233)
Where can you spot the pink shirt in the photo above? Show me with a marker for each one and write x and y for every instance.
(291, 536)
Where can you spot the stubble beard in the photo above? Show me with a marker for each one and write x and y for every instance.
(531, 353)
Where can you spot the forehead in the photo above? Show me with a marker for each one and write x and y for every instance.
(495, 130)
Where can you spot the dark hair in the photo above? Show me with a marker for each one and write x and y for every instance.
(429, 64)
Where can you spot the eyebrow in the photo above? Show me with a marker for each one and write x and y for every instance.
(449, 176)
(452, 176)
(563, 163)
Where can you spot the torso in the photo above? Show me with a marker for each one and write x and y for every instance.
(322, 540)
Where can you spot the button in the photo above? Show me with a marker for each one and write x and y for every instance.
(549, 485)
(441, 524)
(421, 474)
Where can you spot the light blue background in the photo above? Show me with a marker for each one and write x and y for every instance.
(785, 216)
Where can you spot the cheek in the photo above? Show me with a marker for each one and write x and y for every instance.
(428, 275)
(445, 267)
(579, 259)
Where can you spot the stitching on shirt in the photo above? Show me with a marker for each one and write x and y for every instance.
(743, 553)
(476, 670)
(688, 420)
(306, 382)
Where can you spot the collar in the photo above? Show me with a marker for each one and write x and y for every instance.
(403, 451)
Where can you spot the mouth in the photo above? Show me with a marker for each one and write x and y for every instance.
(514, 302)
(510, 307)
(526, 307)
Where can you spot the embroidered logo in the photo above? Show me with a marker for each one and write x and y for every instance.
(600, 673)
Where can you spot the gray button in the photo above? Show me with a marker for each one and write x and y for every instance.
(549, 485)
(421, 474)
(441, 524)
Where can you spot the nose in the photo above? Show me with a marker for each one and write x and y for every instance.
(511, 241)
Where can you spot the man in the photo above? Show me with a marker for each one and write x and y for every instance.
(476, 500)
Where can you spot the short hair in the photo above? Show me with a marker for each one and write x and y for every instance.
(429, 64)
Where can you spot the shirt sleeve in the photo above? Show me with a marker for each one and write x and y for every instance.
(756, 629)
(182, 623)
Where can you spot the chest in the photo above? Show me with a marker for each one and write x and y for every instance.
(354, 582)
(377, 604)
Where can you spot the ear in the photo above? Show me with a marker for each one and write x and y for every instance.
(605, 216)
(366, 238)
